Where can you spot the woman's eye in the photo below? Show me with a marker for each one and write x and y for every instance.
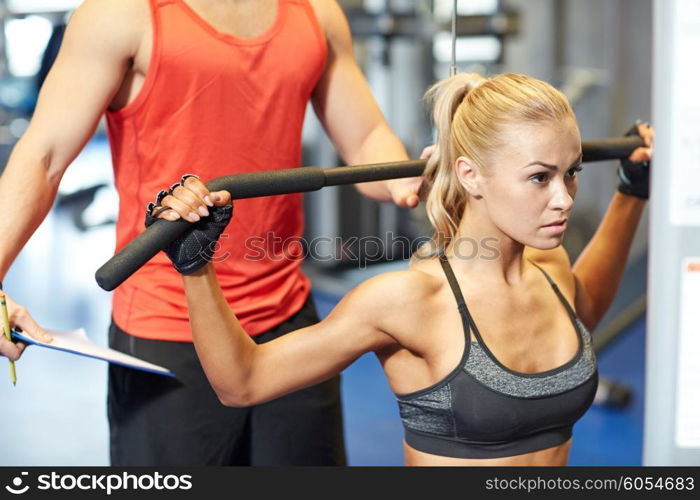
(539, 178)
(573, 171)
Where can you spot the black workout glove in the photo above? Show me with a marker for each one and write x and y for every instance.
(634, 176)
(195, 248)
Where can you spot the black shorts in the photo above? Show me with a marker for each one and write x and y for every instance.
(156, 420)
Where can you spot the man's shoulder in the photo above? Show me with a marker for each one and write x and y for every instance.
(329, 14)
(120, 24)
(124, 14)
(117, 6)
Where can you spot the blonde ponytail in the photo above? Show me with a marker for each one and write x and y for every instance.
(446, 198)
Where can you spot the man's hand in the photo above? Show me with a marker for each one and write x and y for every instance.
(20, 319)
(408, 192)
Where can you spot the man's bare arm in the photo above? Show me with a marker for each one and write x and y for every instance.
(99, 43)
(348, 111)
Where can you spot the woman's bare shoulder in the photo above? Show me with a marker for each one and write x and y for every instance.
(556, 263)
(394, 298)
(413, 284)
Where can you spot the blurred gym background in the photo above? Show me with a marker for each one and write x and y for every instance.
(598, 52)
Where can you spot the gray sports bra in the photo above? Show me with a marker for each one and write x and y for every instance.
(482, 409)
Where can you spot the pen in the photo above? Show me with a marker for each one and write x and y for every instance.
(8, 334)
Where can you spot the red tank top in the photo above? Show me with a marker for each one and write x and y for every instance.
(213, 104)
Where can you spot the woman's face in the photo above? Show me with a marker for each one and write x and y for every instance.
(529, 186)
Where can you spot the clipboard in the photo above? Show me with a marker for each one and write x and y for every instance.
(77, 342)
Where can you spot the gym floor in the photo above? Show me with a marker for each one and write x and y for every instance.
(57, 413)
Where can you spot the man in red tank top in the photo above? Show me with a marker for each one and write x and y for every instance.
(213, 87)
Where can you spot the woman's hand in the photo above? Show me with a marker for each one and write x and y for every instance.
(634, 171)
(210, 213)
(189, 199)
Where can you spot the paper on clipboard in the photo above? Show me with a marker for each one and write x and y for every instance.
(77, 342)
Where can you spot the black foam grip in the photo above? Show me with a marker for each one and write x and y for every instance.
(610, 149)
(163, 232)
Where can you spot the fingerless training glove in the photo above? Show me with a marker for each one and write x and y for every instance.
(196, 247)
(634, 176)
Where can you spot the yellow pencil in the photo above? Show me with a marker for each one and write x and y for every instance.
(8, 334)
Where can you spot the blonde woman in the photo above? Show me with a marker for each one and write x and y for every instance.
(489, 355)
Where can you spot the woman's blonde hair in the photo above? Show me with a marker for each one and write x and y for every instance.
(470, 112)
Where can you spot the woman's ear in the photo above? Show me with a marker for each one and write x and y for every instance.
(469, 176)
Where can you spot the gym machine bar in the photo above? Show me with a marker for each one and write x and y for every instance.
(298, 180)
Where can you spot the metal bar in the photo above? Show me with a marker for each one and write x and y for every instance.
(297, 180)
(407, 26)
(453, 67)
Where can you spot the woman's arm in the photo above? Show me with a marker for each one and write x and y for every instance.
(244, 373)
(241, 372)
(599, 269)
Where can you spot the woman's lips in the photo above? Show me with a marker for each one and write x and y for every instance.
(556, 228)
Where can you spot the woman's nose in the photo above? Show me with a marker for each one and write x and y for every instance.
(563, 196)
